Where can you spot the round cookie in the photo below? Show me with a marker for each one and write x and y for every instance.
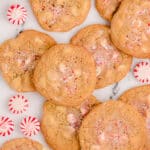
(107, 8)
(113, 125)
(63, 123)
(60, 15)
(67, 76)
(22, 144)
(139, 97)
(130, 28)
(111, 64)
(19, 56)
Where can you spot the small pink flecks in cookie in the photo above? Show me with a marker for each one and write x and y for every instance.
(6, 126)
(73, 120)
(30, 126)
(18, 104)
(142, 72)
(17, 14)
(67, 73)
(69, 77)
(25, 60)
(116, 132)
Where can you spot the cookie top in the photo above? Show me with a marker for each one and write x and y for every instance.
(67, 76)
(60, 15)
(111, 64)
(19, 56)
(139, 97)
(22, 144)
(130, 28)
(63, 123)
(113, 125)
(107, 8)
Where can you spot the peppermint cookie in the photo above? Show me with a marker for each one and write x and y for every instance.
(22, 144)
(111, 64)
(113, 126)
(107, 8)
(63, 123)
(19, 56)
(65, 74)
(130, 28)
(139, 97)
(60, 15)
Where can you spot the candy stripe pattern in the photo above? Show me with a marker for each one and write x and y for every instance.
(6, 126)
(142, 72)
(18, 104)
(30, 126)
(17, 14)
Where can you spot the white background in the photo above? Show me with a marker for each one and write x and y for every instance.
(8, 31)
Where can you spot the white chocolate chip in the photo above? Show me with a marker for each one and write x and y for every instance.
(98, 70)
(71, 118)
(62, 68)
(38, 40)
(95, 147)
(77, 72)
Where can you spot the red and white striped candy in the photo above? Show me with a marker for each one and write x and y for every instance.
(30, 126)
(6, 126)
(18, 104)
(17, 14)
(142, 72)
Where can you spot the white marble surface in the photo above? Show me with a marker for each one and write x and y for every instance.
(8, 30)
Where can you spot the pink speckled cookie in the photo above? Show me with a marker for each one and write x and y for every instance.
(111, 64)
(63, 124)
(66, 74)
(130, 28)
(19, 56)
(22, 144)
(113, 125)
(60, 15)
(139, 97)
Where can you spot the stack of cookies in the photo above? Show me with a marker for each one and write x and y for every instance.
(67, 74)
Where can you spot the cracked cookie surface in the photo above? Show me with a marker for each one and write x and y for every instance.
(113, 125)
(139, 97)
(19, 56)
(60, 15)
(63, 123)
(111, 64)
(130, 28)
(67, 77)
(22, 144)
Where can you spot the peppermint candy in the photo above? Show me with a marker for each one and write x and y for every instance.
(142, 72)
(30, 126)
(17, 14)
(18, 104)
(6, 126)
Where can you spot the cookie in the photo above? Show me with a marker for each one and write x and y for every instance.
(22, 144)
(113, 125)
(67, 76)
(130, 28)
(111, 64)
(63, 123)
(19, 56)
(107, 8)
(139, 98)
(60, 15)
